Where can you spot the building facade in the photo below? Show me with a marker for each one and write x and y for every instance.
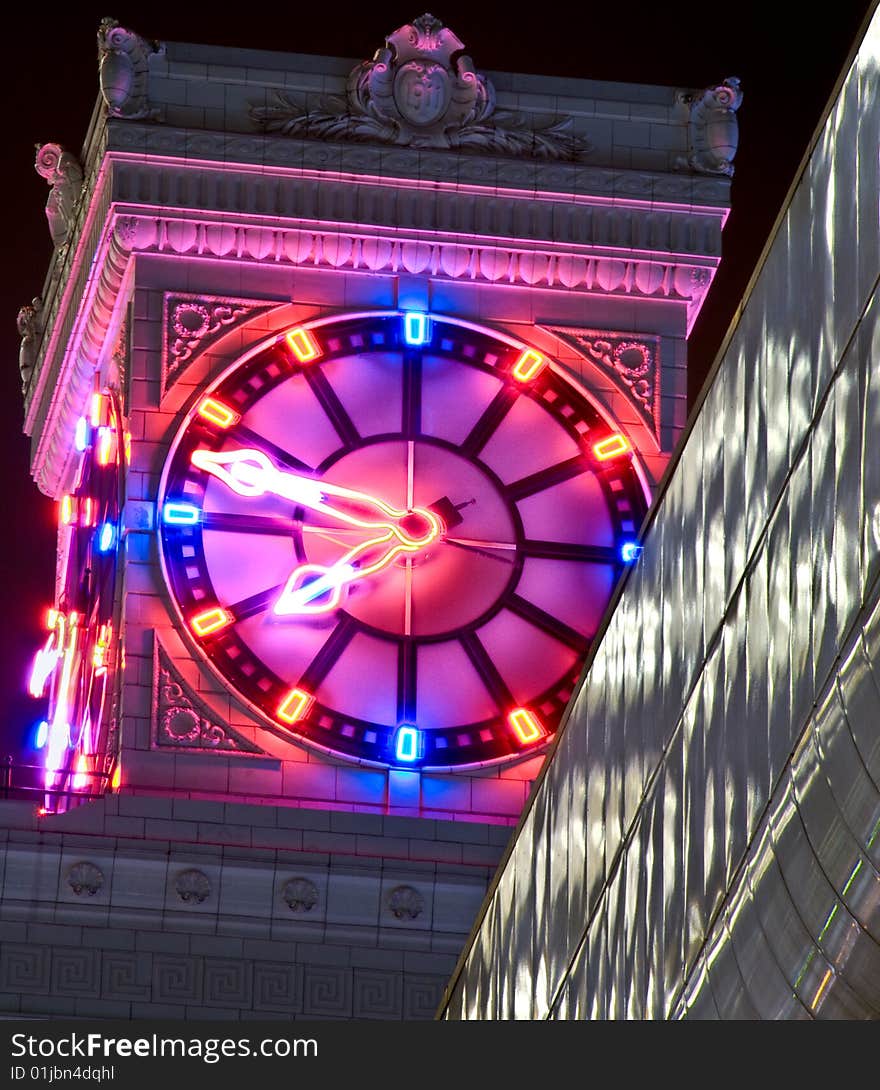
(353, 382)
(703, 842)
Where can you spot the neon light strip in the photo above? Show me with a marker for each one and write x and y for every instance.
(303, 344)
(217, 413)
(526, 726)
(212, 620)
(407, 743)
(529, 364)
(612, 447)
(295, 706)
(97, 411)
(105, 445)
(67, 510)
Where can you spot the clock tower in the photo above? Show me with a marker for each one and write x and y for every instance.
(353, 383)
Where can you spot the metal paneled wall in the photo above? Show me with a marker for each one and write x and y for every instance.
(704, 841)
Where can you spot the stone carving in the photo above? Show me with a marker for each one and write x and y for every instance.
(713, 130)
(184, 720)
(405, 903)
(300, 894)
(123, 71)
(85, 877)
(29, 330)
(633, 363)
(421, 90)
(192, 886)
(64, 174)
(192, 323)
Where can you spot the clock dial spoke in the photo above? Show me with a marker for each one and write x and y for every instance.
(546, 478)
(563, 550)
(332, 406)
(407, 657)
(331, 651)
(248, 438)
(489, 421)
(255, 603)
(411, 424)
(495, 684)
(553, 626)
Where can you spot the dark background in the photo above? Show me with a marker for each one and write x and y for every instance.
(787, 57)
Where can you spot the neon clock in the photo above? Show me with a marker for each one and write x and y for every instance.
(75, 666)
(394, 535)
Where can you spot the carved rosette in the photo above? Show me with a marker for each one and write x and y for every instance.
(183, 720)
(85, 878)
(405, 903)
(64, 174)
(422, 90)
(192, 323)
(633, 363)
(124, 71)
(713, 130)
(193, 887)
(300, 894)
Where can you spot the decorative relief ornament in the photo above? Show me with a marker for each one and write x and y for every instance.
(192, 323)
(192, 886)
(124, 71)
(713, 130)
(421, 90)
(28, 322)
(631, 362)
(405, 903)
(86, 878)
(300, 895)
(183, 720)
(64, 174)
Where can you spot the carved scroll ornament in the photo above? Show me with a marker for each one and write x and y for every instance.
(421, 90)
(64, 174)
(713, 130)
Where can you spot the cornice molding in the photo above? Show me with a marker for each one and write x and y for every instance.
(206, 238)
(537, 177)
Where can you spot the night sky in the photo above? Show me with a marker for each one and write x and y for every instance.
(788, 64)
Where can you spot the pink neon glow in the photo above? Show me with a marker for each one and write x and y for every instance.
(303, 344)
(295, 706)
(612, 447)
(217, 413)
(212, 620)
(526, 725)
(81, 777)
(45, 661)
(97, 412)
(529, 364)
(251, 474)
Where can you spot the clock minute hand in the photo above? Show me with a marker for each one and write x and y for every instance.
(250, 473)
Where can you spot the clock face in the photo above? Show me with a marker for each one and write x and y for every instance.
(394, 536)
(75, 666)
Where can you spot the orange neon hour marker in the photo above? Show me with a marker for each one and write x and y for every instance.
(529, 364)
(116, 778)
(105, 445)
(67, 511)
(303, 344)
(97, 410)
(612, 447)
(212, 620)
(217, 413)
(295, 706)
(526, 726)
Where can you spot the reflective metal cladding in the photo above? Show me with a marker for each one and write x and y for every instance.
(705, 840)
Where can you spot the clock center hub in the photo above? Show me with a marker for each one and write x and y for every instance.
(461, 571)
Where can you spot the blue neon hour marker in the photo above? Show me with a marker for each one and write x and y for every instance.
(180, 514)
(106, 537)
(42, 735)
(407, 744)
(416, 328)
(630, 551)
